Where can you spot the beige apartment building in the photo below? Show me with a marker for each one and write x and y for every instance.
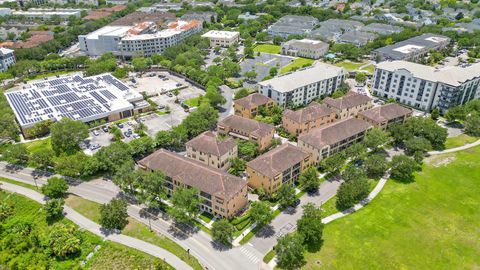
(303, 120)
(349, 105)
(222, 38)
(212, 151)
(250, 105)
(386, 115)
(327, 140)
(247, 129)
(307, 48)
(222, 194)
(280, 166)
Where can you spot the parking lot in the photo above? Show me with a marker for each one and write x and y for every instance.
(263, 63)
(101, 136)
(156, 83)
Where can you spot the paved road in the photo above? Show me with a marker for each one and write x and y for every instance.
(95, 228)
(227, 108)
(285, 222)
(200, 244)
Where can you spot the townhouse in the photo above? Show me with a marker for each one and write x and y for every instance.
(247, 129)
(212, 151)
(349, 105)
(386, 115)
(250, 105)
(303, 120)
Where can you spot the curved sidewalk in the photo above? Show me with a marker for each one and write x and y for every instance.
(95, 228)
(456, 149)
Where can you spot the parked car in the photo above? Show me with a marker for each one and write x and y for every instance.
(94, 146)
(135, 136)
(120, 125)
(95, 133)
(296, 203)
(169, 94)
(126, 134)
(161, 107)
(105, 129)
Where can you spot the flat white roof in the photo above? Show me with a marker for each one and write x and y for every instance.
(220, 34)
(160, 34)
(5, 50)
(408, 48)
(319, 72)
(119, 31)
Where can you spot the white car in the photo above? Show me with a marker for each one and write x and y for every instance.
(95, 133)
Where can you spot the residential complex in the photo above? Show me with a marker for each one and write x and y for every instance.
(247, 129)
(45, 14)
(250, 105)
(307, 48)
(330, 139)
(141, 39)
(304, 85)
(349, 105)
(310, 117)
(386, 115)
(280, 166)
(292, 25)
(204, 16)
(222, 38)
(222, 194)
(425, 87)
(414, 48)
(73, 96)
(7, 58)
(212, 151)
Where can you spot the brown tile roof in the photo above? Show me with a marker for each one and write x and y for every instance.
(139, 16)
(386, 112)
(208, 142)
(253, 100)
(36, 38)
(195, 174)
(246, 125)
(278, 160)
(350, 100)
(335, 132)
(312, 112)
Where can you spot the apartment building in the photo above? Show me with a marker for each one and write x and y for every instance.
(386, 115)
(307, 48)
(424, 87)
(250, 105)
(304, 85)
(349, 105)
(327, 140)
(280, 166)
(7, 59)
(303, 120)
(222, 38)
(292, 25)
(141, 39)
(46, 14)
(222, 194)
(247, 129)
(212, 151)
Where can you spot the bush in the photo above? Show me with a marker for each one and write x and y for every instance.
(55, 188)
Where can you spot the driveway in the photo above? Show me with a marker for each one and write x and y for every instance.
(263, 63)
(227, 108)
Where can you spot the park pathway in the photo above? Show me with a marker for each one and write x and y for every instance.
(95, 228)
(456, 149)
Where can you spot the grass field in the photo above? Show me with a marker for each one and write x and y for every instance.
(431, 223)
(459, 140)
(267, 48)
(39, 145)
(297, 63)
(192, 102)
(351, 66)
(87, 208)
(25, 185)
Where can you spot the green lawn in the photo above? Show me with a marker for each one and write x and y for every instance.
(25, 185)
(87, 208)
(192, 102)
(431, 223)
(113, 256)
(48, 74)
(459, 140)
(269, 256)
(351, 66)
(267, 48)
(39, 145)
(297, 63)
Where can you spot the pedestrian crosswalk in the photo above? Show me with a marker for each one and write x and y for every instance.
(250, 255)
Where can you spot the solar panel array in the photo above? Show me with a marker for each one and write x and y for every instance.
(73, 96)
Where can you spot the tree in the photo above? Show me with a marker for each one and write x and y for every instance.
(351, 192)
(310, 225)
(455, 113)
(309, 179)
(435, 113)
(375, 165)
(63, 240)
(352, 173)
(238, 166)
(53, 208)
(241, 93)
(16, 154)
(140, 64)
(151, 188)
(66, 135)
(360, 77)
(273, 71)
(403, 168)
(355, 151)
(375, 137)
(472, 125)
(289, 250)
(112, 157)
(185, 204)
(55, 188)
(417, 144)
(6, 210)
(286, 195)
(247, 150)
(261, 213)
(214, 96)
(113, 215)
(333, 163)
(222, 231)
(42, 159)
(250, 75)
(203, 119)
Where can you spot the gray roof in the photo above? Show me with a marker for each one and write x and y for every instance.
(335, 132)
(429, 41)
(358, 38)
(346, 25)
(302, 77)
(382, 28)
(279, 159)
(452, 75)
(208, 143)
(305, 44)
(195, 174)
(293, 24)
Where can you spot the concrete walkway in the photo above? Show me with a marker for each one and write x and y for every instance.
(456, 149)
(95, 228)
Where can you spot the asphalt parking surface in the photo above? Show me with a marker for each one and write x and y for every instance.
(263, 63)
